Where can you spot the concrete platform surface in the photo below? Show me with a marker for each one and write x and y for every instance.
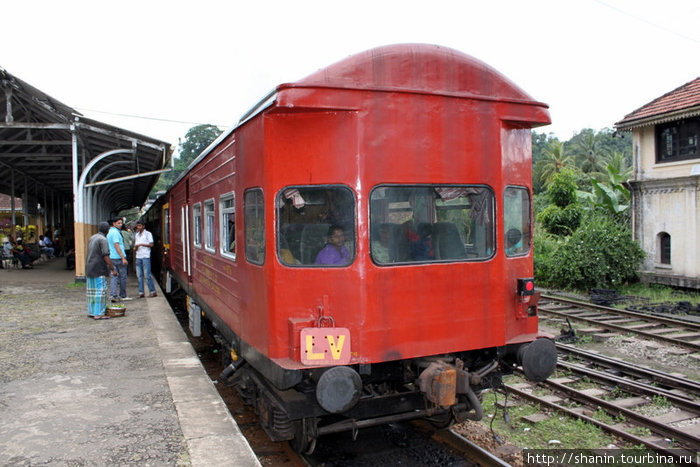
(124, 391)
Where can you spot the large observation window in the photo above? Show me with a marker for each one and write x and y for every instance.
(426, 224)
(516, 222)
(316, 226)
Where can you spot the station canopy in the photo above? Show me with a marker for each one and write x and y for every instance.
(46, 147)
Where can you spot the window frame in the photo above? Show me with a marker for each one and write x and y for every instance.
(197, 225)
(210, 230)
(505, 230)
(245, 224)
(223, 227)
(166, 225)
(279, 197)
(664, 243)
(682, 128)
(375, 224)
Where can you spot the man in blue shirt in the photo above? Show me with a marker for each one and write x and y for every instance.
(117, 255)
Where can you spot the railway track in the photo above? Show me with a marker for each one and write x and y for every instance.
(639, 405)
(606, 322)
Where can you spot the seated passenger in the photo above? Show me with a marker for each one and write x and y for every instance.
(380, 248)
(514, 242)
(334, 253)
(421, 243)
(22, 254)
(45, 246)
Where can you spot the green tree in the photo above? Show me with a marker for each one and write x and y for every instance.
(608, 193)
(197, 139)
(601, 253)
(554, 159)
(590, 154)
(563, 215)
(540, 141)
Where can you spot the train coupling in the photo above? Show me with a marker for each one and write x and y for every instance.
(443, 382)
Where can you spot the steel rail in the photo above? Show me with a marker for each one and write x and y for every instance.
(685, 384)
(616, 327)
(609, 428)
(633, 314)
(473, 451)
(635, 387)
(642, 420)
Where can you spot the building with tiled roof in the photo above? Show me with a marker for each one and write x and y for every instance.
(666, 185)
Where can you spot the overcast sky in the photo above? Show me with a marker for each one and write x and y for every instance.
(205, 61)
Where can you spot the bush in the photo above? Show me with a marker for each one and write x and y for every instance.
(562, 189)
(561, 221)
(601, 253)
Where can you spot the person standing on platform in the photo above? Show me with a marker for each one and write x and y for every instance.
(128, 237)
(97, 267)
(117, 256)
(143, 242)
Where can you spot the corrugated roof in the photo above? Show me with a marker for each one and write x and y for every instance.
(671, 105)
(36, 141)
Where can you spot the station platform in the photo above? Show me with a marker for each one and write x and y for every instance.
(122, 391)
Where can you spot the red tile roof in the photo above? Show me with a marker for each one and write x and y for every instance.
(685, 97)
(5, 203)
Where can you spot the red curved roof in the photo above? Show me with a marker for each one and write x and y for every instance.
(418, 68)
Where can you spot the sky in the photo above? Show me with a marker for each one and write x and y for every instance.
(160, 67)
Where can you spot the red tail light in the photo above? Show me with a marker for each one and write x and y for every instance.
(526, 286)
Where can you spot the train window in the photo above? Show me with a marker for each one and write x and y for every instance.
(516, 221)
(254, 223)
(166, 226)
(227, 233)
(316, 226)
(197, 225)
(426, 224)
(209, 225)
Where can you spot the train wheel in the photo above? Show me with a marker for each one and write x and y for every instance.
(304, 440)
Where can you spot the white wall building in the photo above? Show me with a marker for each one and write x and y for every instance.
(666, 185)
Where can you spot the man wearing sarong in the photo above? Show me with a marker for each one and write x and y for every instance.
(97, 268)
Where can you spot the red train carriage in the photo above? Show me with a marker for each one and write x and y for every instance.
(362, 242)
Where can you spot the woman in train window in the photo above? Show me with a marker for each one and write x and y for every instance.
(334, 253)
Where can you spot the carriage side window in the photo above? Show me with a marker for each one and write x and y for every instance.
(209, 225)
(516, 221)
(254, 223)
(316, 226)
(166, 226)
(197, 225)
(426, 224)
(228, 226)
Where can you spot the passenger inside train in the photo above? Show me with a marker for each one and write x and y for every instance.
(316, 219)
(419, 224)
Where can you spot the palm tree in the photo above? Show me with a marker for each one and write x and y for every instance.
(554, 159)
(590, 155)
(619, 162)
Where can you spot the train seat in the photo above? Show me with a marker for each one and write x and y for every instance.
(291, 235)
(313, 239)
